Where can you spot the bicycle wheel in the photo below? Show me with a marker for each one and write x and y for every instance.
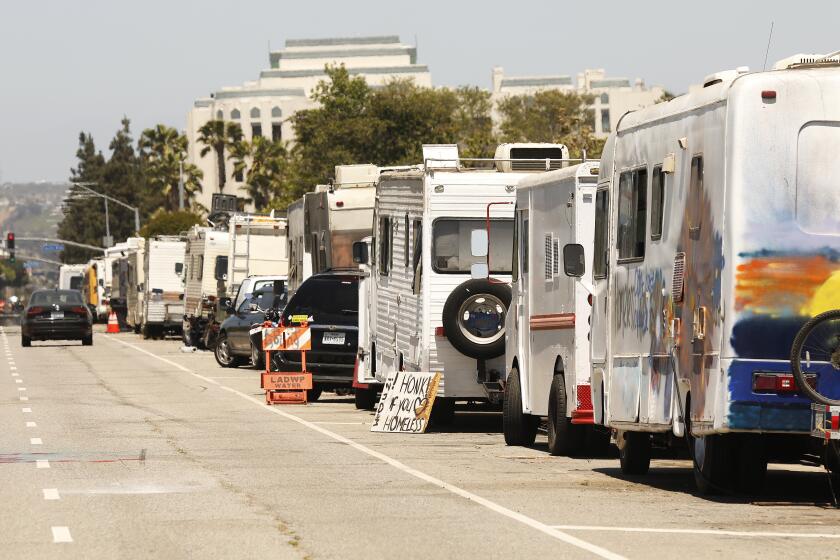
(816, 355)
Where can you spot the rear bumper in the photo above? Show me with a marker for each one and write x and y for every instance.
(768, 412)
(56, 332)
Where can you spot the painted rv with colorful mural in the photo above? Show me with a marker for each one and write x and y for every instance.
(717, 237)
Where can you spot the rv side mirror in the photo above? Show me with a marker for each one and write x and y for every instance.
(360, 252)
(574, 260)
(179, 268)
(221, 268)
(478, 243)
(479, 271)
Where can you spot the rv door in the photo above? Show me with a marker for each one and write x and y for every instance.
(523, 305)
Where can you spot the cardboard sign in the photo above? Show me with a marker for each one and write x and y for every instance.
(277, 381)
(406, 402)
(287, 338)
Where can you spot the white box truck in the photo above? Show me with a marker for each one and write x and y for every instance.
(163, 290)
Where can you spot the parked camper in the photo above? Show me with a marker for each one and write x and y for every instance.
(136, 300)
(71, 277)
(205, 268)
(428, 315)
(257, 247)
(117, 283)
(547, 329)
(163, 289)
(716, 238)
(94, 289)
(300, 259)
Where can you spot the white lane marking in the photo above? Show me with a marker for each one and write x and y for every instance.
(21, 388)
(26, 409)
(15, 375)
(716, 532)
(36, 441)
(18, 380)
(51, 494)
(42, 464)
(31, 425)
(61, 535)
(24, 399)
(492, 506)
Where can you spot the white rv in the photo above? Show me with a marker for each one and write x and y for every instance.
(136, 300)
(427, 314)
(300, 259)
(716, 238)
(96, 275)
(71, 277)
(163, 290)
(547, 329)
(205, 269)
(257, 248)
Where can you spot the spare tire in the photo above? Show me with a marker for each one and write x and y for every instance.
(474, 318)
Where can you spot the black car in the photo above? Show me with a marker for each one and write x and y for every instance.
(234, 345)
(329, 303)
(56, 315)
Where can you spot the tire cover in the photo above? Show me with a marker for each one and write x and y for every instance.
(484, 319)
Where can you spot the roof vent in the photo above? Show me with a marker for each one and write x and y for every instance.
(724, 76)
(361, 175)
(808, 61)
(440, 155)
(530, 157)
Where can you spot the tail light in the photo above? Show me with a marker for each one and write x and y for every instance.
(764, 382)
(34, 311)
(79, 310)
(440, 332)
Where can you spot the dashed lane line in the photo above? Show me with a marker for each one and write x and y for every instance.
(36, 441)
(31, 425)
(475, 498)
(51, 494)
(61, 535)
(716, 532)
(24, 399)
(26, 409)
(42, 464)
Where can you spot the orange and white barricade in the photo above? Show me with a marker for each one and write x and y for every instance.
(286, 387)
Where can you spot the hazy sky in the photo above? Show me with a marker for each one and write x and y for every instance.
(73, 65)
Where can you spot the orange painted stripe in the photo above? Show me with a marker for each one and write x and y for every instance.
(552, 321)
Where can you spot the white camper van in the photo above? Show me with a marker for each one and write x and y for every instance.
(547, 329)
(96, 275)
(117, 283)
(300, 259)
(716, 239)
(257, 248)
(163, 290)
(205, 268)
(428, 315)
(136, 300)
(71, 277)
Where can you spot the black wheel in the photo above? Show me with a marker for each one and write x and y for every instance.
(519, 428)
(564, 438)
(223, 354)
(634, 452)
(257, 357)
(87, 341)
(443, 412)
(365, 399)
(816, 355)
(314, 393)
(147, 332)
(714, 462)
(597, 441)
(474, 318)
(137, 328)
(751, 469)
(25, 341)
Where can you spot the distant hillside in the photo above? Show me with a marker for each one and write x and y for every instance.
(31, 209)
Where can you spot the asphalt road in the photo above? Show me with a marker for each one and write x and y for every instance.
(133, 449)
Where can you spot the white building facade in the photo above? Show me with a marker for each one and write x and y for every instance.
(612, 97)
(263, 107)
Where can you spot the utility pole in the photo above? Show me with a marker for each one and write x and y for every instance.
(181, 185)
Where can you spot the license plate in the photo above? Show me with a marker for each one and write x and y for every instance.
(57, 315)
(333, 338)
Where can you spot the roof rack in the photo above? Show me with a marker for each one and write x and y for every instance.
(501, 165)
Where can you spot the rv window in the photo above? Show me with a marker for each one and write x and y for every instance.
(600, 254)
(405, 239)
(200, 275)
(385, 245)
(817, 175)
(657, 202)
(514, 261)
(525, 251)
(632, 215)
(695, 197)
(451, 244)
(417, 253)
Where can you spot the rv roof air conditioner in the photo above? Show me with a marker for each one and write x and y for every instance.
(530, 157)
(808, 61)
(724, 76)
(359, 175)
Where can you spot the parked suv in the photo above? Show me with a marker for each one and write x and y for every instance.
(235, 345)
(329, 303)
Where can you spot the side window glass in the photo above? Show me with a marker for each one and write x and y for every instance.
(405, 241)
(657, 202)
(600, 253)
(695, 197)
(385, 234)
(514, 264)
(632, 215)
(525, 251)
(416, 254)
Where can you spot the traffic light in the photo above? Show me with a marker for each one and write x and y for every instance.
(10, 246)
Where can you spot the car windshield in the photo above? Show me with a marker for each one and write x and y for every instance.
(56, 297)
(325, 300)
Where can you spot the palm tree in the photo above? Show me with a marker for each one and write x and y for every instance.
(163, 151)
(267, 165)
(217, 135)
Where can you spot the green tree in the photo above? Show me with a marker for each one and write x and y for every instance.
(665, 97)
(83, 216)
(169, 223)
(266, 167)
(550, 116)
(217, 136)
(163, 151)
(473, 123)
(122, 178)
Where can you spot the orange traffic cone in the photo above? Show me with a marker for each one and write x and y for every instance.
(113, 324)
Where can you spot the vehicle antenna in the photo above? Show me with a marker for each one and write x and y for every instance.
(766, 52)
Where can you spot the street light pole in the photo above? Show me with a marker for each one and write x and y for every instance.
(107, 223)
(181, 185)
(112, 199)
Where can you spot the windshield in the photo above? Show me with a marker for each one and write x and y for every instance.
(330, 300)
(56, 297)
(451, 238)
